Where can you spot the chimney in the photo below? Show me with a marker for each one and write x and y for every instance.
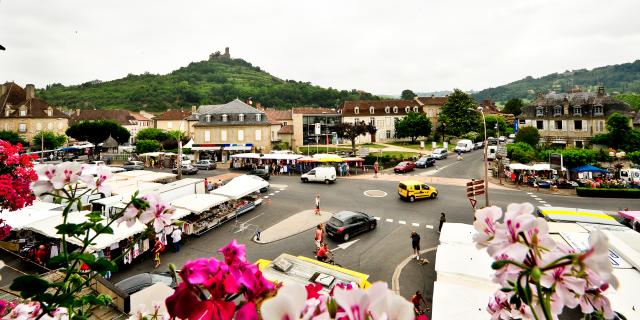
(3, 89)
(194, 109)
(77, 112)
(259, 106)
(600, 91)
(30, 91)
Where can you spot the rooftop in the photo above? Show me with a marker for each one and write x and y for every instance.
(173, 115)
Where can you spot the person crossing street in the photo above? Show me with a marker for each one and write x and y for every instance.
(317, 204)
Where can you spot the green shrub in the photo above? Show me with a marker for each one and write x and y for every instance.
(608, 193)
(521, 152)
(144, 146)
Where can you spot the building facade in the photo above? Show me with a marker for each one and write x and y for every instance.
(176, 120)
(225, 129)
(133, 122)
(281, 124)
(305, 121)
(22, 112)
(571, 119)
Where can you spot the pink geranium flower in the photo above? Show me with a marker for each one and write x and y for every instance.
(596, 258)
(234, 253)
(485, 225)
(98, 182)
(159, 214)
(130, 216)
(517, 219)
(286, 305)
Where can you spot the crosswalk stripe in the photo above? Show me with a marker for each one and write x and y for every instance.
(529, 193)
(429, 226)
(266, 197)
(277, 191)
(389, 220)
(271, 194)
(402, 222)
(543, 201)
(377, 218)
(415, 224)
(546, 205)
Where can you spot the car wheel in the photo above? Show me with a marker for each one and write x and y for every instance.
(326, 181)
(434, 195)
(412, 199)
(346, 237)
(305, 180)
(372, 226)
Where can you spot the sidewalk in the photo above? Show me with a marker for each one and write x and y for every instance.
(508, 185)
(426, 179)
(295, 224)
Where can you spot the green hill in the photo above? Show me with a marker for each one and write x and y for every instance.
(616, 79)
(217, 80)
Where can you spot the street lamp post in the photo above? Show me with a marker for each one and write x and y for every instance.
(486, 163)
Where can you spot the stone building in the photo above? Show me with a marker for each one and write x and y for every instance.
(131, 121)
(225, 129)
(281, 124)
(22, 112)
(305, 120)
(571, 119)
(176, 120)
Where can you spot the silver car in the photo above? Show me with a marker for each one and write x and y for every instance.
(205, 165)
(133, 165)
(439, 153)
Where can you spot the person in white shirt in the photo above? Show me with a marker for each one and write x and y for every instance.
(176, 236)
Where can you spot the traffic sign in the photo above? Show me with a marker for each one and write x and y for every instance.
(475, 182)
(473, 202)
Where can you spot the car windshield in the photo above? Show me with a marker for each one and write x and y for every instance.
(423, 159)
(159, 278)
(335, 222)
(402, 186)
(402, 164)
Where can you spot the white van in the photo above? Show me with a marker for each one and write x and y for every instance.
(323, 174)
(491, 152)
(464, 145)
(630, 175)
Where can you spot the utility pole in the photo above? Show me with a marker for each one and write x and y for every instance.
(486, 161)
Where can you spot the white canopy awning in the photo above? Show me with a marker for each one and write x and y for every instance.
(131, 174)
(282, 156)
(145, 298)
(238, 148)
(245, 155)
(47, 227)
(464, 260)
(137, 186)
(40, 210)
(198, 203)
(519, 166)
(156, 176)
(544, 167)
(212, 148)
(180, 213)
(241, 186)
(189, 144)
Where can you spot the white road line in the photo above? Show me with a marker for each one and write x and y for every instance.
(277, 191)
(377, 218)
(389, 220)
(542, 201)
(415, 224)
(402, 222)
(266, 197)
(271, 194)
(546, 205)
(537, 198)
(281, 189)
(529, 193)
(429, 226)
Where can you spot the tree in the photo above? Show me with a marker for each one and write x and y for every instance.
(51, 140)
(413, 125)
(98, 131)
(372, 130)
(144, 146)
(12, 137)
(513, 106)
(620, 132)
(178, 136)
(528, 135)
(407, 94)
(459, 115)
(634, 156)
(521, 152)
(491, 125)
(152, 134)
(351, 131)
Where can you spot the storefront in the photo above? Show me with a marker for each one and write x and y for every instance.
(220, 152)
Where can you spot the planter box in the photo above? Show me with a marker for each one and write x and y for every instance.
(608, 193)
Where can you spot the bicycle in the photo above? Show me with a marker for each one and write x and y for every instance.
(330, 261)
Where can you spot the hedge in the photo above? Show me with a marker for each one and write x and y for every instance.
(608, 193)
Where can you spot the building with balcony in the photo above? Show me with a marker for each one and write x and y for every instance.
(22, 112)
(571, 119)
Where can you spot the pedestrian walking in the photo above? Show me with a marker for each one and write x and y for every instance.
(417, 300)
(375, 169)
(176, 236)
(443, 219)
(153, 163)
(317, 203)
(415, 244)
(319, 236)
(158, 247)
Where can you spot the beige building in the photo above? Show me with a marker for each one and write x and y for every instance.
(175, 120)
(281, 124)
(306, 119)
(22, 112)
(226, 129)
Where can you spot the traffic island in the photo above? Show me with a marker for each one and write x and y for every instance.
(295, 224)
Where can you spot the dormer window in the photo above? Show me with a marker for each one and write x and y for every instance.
(372, 110)
(407, 109)
(258, 117)
(208, 118)
(598, 110)
(539, 111)
(415, 109)
(395, 109)
(577, 111)
(23, 112)
(7, 111)
(224, 118)
(241, 117)
(49, 112)
(557, 111)
(387, 109)
(356, 110)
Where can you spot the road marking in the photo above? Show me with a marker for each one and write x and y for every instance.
(402, 222)
(277, 191)
(546, 205)
(529, 193)
(429, 226)
(415, 224)
(375, 193)
(389, 220)
(395, 279)
(272, 194)
(281, 189)
(377, 218)
(543, 201)
(346, 245)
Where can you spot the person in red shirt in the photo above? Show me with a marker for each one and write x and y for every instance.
(41, 254)
(323, 253)
(319, 236)
(417, 299)
(157, 248)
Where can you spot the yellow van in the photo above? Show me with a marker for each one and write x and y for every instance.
(412, 190)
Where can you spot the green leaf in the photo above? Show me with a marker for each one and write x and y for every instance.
(95, 216)
(29, 286)
(499, 264)
(71, 229)
(102, 265)
(56, 261)
(100, 228)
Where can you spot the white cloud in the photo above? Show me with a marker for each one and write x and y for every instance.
(378, 46)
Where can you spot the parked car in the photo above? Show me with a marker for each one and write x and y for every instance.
(404, 166)
(502, 139)
(205, 165)
(464, 145)
(140, 281)
(345, 224)
(186, 169)
(491, 152)
(478, 145)
(97, 163)
(492, 141)
(412, 190)
(260, 172)
(425, 162)
(133, 165)
(321, 174)
(439, 153)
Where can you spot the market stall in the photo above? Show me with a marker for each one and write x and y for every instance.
(245, 190)
(19, 219)
(204, 212)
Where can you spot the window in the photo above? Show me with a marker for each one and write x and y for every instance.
(395, 109)
(387, 109)
(389, 121)
(181, 125)
(241, 117)
(22, 127)
(356, 120)
(258, 117)
(170, 125)
(380, 123)
(223, 135)
(598, 111)
(577, 111)
(577, 125)
(207, 118)
(284, 123)
(240, 135)
(258, 135)
(372, 110)
(356, 110)
(224, 118)
(49, 112)
(407, 109)
(207, 136)
(23, 112)
(539, 111)
(557, 111)
(7, 112)
(38, 126)
(579, 143)
(415, 109)
(372, 121)
(60, 124)
(600, 125)
(540, 124)
(388, 134)
(50, 125)
(558, 125)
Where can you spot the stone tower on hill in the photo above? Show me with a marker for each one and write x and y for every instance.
(218, 55)
(226, 54)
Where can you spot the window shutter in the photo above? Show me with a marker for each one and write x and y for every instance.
(584, 125)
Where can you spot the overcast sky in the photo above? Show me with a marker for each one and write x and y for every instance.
(378, 46)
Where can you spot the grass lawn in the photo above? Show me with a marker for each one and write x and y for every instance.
(321, 149)
(371, 145)
(427, 145)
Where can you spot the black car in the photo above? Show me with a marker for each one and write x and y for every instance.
(425, 162)
(138, 282)
(345, 224)
(262, 173)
